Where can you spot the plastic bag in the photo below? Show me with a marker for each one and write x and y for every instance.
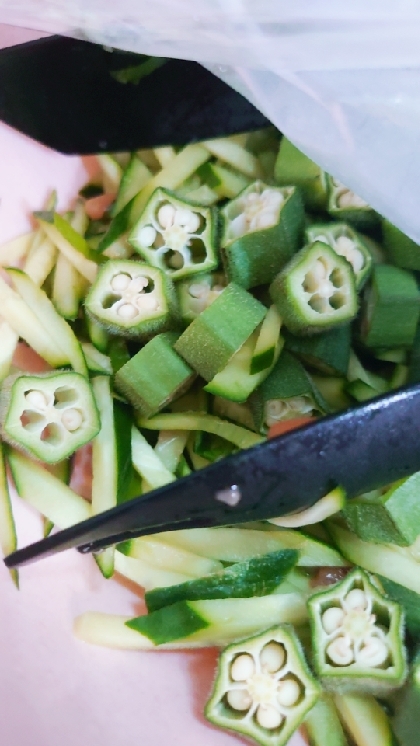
(340, 79)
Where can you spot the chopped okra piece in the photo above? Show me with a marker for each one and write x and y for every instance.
(391, 308)
(401, 250)
(357, 636)
(288, 392)
(212, 339)
(348, 207)
(328, 352)
(263, 228)
(294, 167)
(263, 688)
(177, 236)
(315, 291)
(48, 416)
(345, 242)
(197, 293)
(132, 299)
(155, 376)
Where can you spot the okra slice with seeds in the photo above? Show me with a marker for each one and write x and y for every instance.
(263, 228)
(345, 242)
(48, 416)
(358, 637)
(391, 308)
(263, 687)
(197, 293)
(176, 235)
(133, 299)
(315, 291)
(348, 207)
(155, 376)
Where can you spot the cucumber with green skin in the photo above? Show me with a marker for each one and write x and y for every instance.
(220, 620)
(322, 726)
(255, 577)
(134, 178)
(364, 720)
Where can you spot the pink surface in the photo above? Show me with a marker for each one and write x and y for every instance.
(53, 688)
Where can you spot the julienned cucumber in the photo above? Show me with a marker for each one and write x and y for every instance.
(322, 725)
(221, 620)
(8, 539)
(255, 577)
(364, 720)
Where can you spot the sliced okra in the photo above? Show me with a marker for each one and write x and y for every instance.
(294, 167)
(155, 376)
(391, 308)
(345, 242)
(263, 228)
(328, 352)
(357, 637)
(401, 250)
(212, 339)
(315, 291)
(197, 293)
(288, 392)
(132, 299)
(48, 416)
(263, 687)
(175, 235)
(348, 207)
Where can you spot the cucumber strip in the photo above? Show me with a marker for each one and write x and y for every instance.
(322, 726)
(220, 620)
(267, 342)
(16, 250)
(95, 360)
(225, 182)
(111, 172)
(66, 288)
(40, 262)
(259, 576)
(396, 563)
(234, 155)
(201, 195)
(162, 555)
(78, 259)
(147, 462)
(144, 574)
(164, 155)
(98, 335)
(8, 538)
(240, 544)
(8, 341)
(47, 494)
(135, 177)
(170, 447)
(209, 423)
(57, 328)
(111, 631)
(364, 719)
(27, 325)
(324, 508)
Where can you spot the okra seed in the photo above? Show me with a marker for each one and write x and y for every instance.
(275, 411)
(72, 419)
(242, 668)
(138, 284)
(346, 247)
(147, 302)
(340, 652)
(188, 219)
(374, 652)
(272, 657)
(120, 282)
(166, 215)
(268, 717)
(239, 699)
(302, 404)
(147, 236)
(198, 290)
(127, 311)
(332, 619)
(36, 399)
(289, 692)
(356, 599)
(350, 199)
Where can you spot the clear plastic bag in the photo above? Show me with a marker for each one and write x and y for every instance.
(340, 79)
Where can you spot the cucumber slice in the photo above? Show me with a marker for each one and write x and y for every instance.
(364, 720)
(322, 726)
(47, 494)
(71, 244)
(170, 446)
(330, 504)
(15, 251)
(41, 259)
(147, 462)
(230, 152)
(220, 620)
(135, 177)
(95, 360)
(144, 574)
(223, 181)
(8, 538)
(97, 335)
(267, 344)
(8, 341)
(208, 423)
(111, 172)
(162, 555)
(255, 577)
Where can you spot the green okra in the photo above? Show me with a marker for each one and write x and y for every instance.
(408, 600)
(263, 688)
(132, 299)
(357, 637)
(293, 167)
(328, 352)
(197, 292)
(315, 291)
(286, 393)
(406, 720)
(175, 235)
(262, 229)
(400, 249)
(155, 376)
(346, 206)
(347, 243)
(48, 416)
(391, 308)
(212, 339)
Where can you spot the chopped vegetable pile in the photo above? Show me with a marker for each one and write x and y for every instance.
(194, 302)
